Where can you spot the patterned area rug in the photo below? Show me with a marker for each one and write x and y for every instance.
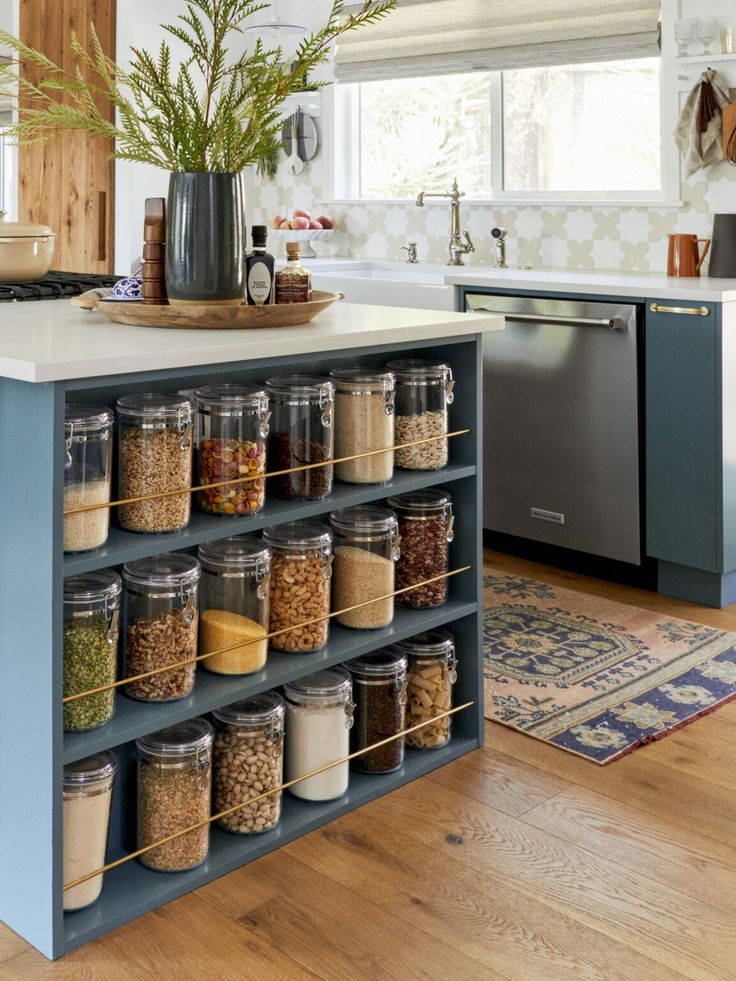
(595, 677)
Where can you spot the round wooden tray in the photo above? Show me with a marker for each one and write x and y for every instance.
(210, 317)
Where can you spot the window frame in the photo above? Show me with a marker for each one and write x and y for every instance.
(342, 111)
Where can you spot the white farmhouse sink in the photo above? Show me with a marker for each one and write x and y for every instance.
(390, 284)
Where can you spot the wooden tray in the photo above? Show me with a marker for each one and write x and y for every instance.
(208, 317)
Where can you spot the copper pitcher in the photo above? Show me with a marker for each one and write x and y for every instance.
(684, 258)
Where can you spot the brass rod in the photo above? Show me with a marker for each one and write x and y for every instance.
(267, 793)
(245, 478)
(257, 640)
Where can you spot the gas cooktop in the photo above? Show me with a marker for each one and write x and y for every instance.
(54, 286)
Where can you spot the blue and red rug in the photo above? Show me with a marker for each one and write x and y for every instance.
(595, 677)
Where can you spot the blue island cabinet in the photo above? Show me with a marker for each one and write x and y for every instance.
(690, 437)
(33, 566)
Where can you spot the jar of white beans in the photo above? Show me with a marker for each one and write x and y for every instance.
(430, 676)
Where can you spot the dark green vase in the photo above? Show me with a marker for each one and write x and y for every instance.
(205, 239)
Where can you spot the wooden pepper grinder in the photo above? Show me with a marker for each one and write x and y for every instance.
(154, 252)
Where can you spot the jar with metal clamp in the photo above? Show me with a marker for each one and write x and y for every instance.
(249, 757)
(234, 607)
(367, 545)
(87, 475)
(424, 390)
(364, 422)
(319, 717)
(426, 526)
(174, 790)
(379, 693)
(160, 626)
(430, 676)
(301, 571)
(91, 614)
(301, 434)
(232, 426)
(154, 457)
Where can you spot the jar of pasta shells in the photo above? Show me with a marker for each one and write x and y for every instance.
(430, 676)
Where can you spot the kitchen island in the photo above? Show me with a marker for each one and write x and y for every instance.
(52, 354)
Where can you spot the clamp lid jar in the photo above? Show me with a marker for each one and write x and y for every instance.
(367, 545)
(88, 785)
(426, 525)
(87, 475)
(424, 390)
(155, 410)
(301, 435)
(431, 674)
(379, 691)
(364, 423)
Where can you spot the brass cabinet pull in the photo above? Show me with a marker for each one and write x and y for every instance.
(691, 311)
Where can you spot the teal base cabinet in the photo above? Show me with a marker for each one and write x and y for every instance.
(32, 569)
(690, 446)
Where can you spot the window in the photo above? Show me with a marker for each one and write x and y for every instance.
(590, 131)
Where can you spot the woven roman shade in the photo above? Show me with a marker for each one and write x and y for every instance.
(437, 37)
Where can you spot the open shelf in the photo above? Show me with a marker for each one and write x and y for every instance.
(125, 546)
(133, 718)
(131, 890)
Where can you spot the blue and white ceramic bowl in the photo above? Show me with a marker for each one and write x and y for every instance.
(128, 290)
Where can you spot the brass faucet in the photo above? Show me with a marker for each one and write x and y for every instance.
(457, 247)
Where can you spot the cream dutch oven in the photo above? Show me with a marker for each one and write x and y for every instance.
(26, 251)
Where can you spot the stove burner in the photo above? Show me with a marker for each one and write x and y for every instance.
(54, 286)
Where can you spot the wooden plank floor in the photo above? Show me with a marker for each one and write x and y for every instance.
(519, 861)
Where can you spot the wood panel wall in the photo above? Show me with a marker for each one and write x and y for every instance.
(69, 183)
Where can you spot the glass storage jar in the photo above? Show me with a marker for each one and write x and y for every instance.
(87, 797)
(87, 475)
(366, 549)
(379, 693)
(160, 625)
(319, 716)
(430, 676)
(154, 456)
(234, 604)
(232, 426)
(301, 433)
(424, 389)
(301, 569)
(364, 421)
(91, 622)
(174, 786)
(249, 760)
(426, 527)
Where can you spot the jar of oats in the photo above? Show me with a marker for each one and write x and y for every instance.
(154, 456)
(232, 426)
(364, 421)
(87, 474)
(160, 625)
(424, 390)
(426, 526)
(249, 759)
(301, 570)
(430, 677)
(234, 604)
(174, 786)
(367, 545)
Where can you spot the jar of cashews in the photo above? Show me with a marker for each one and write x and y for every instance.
(430, 676)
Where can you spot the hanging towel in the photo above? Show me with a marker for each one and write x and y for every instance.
(699, 128)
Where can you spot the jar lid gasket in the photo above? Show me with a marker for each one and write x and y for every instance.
(260, 709)
(92, 587)
(91, 769)
(387, 662)
(238, 552)
(431, 642)
(364, 518)
(428, 499)
(308, 387)
(299, 534)
(155, 405)
(178, 740)
(417, 368)
(87, 418)
(327, 684)
(170, 570)
(231, 397)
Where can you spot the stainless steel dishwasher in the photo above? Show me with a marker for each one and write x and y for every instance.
(561, 423)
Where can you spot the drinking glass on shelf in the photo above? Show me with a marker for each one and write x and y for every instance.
(706, 30)
(727, 38)
(684, 35)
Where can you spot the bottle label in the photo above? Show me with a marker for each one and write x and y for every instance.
(292, 289)
(260, 283)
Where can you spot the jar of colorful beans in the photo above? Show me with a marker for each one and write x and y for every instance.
(232, 426)
(430, 677)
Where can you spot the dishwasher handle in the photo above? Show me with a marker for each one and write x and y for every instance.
(545, 318)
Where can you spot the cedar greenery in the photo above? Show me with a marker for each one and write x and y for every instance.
(210, 114)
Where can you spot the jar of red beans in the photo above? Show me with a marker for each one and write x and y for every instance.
(426, 528)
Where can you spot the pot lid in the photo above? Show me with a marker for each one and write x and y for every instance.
(23, 229)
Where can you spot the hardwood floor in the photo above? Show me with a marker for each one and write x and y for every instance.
(519, 861)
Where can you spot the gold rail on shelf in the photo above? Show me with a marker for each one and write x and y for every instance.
(246, 478)
(267, 793)
(258, 640)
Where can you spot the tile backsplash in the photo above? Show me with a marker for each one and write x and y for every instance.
(575, 237)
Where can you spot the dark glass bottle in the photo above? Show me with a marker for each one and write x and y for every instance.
(259, 270)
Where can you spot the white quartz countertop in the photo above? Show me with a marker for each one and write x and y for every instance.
(647, 285)
(51, 340)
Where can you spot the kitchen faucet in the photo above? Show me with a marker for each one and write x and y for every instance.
(457, 247)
